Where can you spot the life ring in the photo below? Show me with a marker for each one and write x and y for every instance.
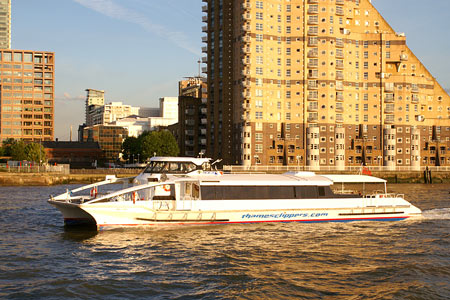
(166, 187)
(133, 196)
(94, 192)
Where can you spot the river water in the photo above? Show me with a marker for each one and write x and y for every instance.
(40, 259)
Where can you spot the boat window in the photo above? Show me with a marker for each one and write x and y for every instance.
(249, 192)
(267, 192)
(170, 167)
(306, 192)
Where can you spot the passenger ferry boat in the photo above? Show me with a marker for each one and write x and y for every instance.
(185, 191)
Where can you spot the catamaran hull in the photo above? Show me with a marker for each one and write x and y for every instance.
(108, 217)
(73, 214)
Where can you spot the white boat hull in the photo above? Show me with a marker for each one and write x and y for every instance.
(126, 214)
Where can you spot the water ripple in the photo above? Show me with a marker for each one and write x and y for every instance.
(39, 259)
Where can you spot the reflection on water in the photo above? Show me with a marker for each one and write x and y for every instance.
(363, 260)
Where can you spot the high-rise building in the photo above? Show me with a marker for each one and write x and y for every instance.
(27, 95)
(94, 99)
(318, 83)
(5, 24)
(190, 131)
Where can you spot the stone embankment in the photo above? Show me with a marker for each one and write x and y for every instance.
(43, 179)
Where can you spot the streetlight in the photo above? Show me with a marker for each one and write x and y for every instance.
(138, 157)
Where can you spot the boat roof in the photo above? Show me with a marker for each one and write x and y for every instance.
(197, 161)
(338, 178)
(261, 179)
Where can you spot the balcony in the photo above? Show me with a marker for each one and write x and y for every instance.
(339, 43)
(205, 70)
(204, 111)
(389, 87)
(313, 32)
(205, 19)
(389, 119)
(246, 6)
(245, 28)
(403, 57)
(389, 98)
(205, 8)
(339, 86)
(313, 65)
(415, 99)
(415, 88)
(340, 107)
(313, 20)
(313, 54)
(339, 97)
(189, 143)
(313, 1)
(204, 59)
(313, 107)
(313, 119)
(247, 17)
(339, 118)
(204, 49)
(339, 76)
(339, 65)
(313, 42)
(189, 132)
(339, 54)
(203, 131)
(312, 97)
(339, 11)
(313, 86)
(389, 109)
(204, 121)
(313, 10)
(203, 141)
(313, 75)
(205, 28)
(204, 39)
(339, 2)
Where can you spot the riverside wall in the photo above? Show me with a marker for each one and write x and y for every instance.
(45, 179)
(91, 176)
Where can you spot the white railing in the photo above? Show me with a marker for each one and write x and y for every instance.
(353, 169)
(64, 169)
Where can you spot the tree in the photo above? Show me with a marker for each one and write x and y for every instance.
(18, 150)
(130, 147)
(35, 152)
(161, 143)
(6, 147)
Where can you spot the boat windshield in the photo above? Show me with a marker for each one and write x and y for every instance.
(171, 167)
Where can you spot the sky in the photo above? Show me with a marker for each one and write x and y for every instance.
(138, 50)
